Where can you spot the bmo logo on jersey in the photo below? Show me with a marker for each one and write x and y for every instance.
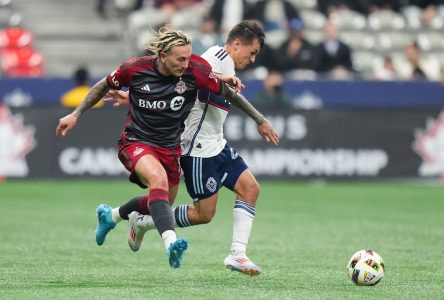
(175, 104)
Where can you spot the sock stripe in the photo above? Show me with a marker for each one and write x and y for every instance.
(158, 194)
(181, 215)
(243, 203)
(239, 204)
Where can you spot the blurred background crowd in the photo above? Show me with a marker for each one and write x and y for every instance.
(306, 39)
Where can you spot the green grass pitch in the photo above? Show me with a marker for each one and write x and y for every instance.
(302, 238)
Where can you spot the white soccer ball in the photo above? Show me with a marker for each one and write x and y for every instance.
(366, 268)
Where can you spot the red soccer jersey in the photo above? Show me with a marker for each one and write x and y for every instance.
(160, 104)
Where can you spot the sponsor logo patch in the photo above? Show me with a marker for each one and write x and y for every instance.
(211, 184)
(177, 103)
(181, 87)
(137, 151)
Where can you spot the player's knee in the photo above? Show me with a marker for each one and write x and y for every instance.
(250, 191)
(206, 217)
(158, 181)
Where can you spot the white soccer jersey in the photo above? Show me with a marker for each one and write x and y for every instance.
(203, 135)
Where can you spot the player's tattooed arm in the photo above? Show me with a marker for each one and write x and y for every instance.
(264, 126)
(243, 104)
(95, 94)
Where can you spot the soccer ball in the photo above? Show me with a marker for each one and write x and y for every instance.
(365, 268)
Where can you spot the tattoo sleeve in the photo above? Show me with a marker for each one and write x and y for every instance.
(95, 94)
(243, 104)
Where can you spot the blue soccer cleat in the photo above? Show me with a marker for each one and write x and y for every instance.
(106, 223)
(175, 252)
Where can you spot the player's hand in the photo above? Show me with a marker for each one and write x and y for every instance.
(233, 81)
(268, 133)
(118, 98)
(66, 124)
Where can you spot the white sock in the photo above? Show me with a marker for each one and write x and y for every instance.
(243, 215)
(168, 237)
(115, 215)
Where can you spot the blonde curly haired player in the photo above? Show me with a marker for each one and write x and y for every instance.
(162, 91)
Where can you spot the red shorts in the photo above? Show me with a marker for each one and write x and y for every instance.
(130, 153)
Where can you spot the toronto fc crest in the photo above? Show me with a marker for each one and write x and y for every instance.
(181, 87)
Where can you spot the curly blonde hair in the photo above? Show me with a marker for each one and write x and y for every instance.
(167, 38)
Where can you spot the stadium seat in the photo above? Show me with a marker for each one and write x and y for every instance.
(314, 36)
(275, 38)
(9, 17)
(439, 57)
(389, 41)
(22, 62)
(412, 15)
(15, 37)
(349, 20)
(313, 19)
(365, 61)
(304, 4)
(386, 20)
(359, 40)
(431, 41)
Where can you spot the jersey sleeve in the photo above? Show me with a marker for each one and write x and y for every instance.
(121, 77)
(205, 78)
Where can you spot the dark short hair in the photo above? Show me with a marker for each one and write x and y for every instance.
(247, 31)
(81, 75)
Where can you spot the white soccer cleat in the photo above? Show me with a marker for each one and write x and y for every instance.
(242, 264)
(137, 230)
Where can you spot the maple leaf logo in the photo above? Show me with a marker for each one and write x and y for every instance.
(16, 141)
(429, 144)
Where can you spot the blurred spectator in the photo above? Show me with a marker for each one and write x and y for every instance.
(74, 97)
(419, 67)
(386, 71)
(181, 13)
(103, 9)
(296, 52)
(228, 13)
(377, 5)
(429, 8)
(273, 95)
(334, 56)
(184, 14)
(266, 61)
(207, 36)
(274, 14)
(328, 7)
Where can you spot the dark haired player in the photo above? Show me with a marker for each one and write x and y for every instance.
(209, 163)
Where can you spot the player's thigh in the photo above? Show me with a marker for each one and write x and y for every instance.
(247, 188)
(150, 171)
